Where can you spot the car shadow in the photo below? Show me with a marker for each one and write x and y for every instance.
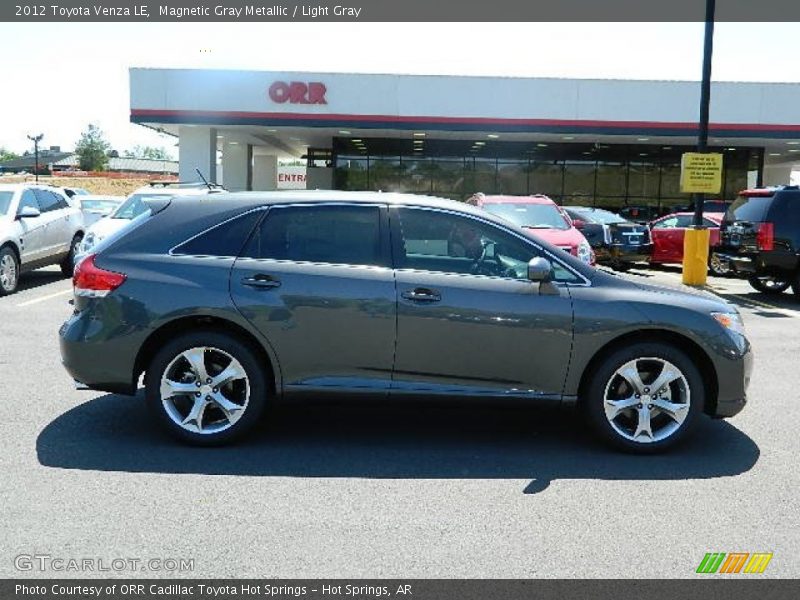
(398, 441)
(34, 279)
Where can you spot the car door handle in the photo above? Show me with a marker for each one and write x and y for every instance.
(261, 281)
(422, 295)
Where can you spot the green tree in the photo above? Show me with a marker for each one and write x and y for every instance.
(151, 152)
(7, 154)
(92, 149)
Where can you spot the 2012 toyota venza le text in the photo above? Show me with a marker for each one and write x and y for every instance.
(228, 302)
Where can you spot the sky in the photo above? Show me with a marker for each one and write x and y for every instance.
(67, 75)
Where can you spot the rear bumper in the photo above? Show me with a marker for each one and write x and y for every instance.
(97, 358)
(623, 253)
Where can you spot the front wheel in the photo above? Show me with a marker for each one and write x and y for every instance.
(644, 398)
(718, 266)
(206, 388)
(9, 271)
(768, 284)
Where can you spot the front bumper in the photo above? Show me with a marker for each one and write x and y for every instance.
(734, 380)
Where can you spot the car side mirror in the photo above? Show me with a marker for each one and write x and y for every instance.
(28, 212)
(539, 269)
(579, 223)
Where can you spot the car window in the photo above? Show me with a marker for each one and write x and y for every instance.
(28, 199)
(49, 201)
(226, 239)
(676, 222)
(451, 243)
(322, 234)
(710, 223)
(5, 202)
(748, 208)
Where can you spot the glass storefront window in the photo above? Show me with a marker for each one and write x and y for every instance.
(579, 179)
(547, 178)
(417, 175)
(386, 174)
(351, 173)
(643, 180)
(480, 175)
(447, 176)
(611, 181)
(512, 178)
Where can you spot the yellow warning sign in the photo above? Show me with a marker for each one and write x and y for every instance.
(701, 173)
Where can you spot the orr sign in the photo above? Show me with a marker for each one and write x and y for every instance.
(298, 92)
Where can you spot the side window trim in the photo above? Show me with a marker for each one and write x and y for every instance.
(397, 243)
(175, 250)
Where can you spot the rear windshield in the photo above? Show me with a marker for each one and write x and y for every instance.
(534, 216)
(748, 208)
(135, 205)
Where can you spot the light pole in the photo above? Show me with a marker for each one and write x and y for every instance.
(696, 240)
(36, 139)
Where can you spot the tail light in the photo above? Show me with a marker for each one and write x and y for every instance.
(91, 281)
(765, 238)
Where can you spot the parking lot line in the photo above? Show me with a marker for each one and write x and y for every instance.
(43, 298)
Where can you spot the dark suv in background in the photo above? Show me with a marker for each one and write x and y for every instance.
(229, 302)
(760, 236)
(616, 241)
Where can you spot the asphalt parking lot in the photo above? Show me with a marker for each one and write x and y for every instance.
(375, 491)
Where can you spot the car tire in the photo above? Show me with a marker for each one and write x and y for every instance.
(717, 266)
(9, 271)
(622, 267)
(68, 264)
(196, 412)
(768, 285)
(623, 419)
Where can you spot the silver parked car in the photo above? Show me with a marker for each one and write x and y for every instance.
(95, 206)
(38, 227)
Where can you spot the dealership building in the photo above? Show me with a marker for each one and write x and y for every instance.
(580, 141)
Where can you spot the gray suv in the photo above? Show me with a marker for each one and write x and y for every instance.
(227, 303)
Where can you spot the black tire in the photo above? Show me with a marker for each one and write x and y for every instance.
(217, 341)
(10, 278)
(68, 264)
(717, 267)
(593, 400)
(768, 285)
(622, 267)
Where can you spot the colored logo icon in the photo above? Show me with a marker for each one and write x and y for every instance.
(734, 562)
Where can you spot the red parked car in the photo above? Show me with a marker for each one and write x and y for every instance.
(668, 232)
(541, 214)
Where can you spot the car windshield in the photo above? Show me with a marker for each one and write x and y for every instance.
(748, 208)
(99, 205)
(598, 215)
(5, 202)
(135, 205)
(533, 216)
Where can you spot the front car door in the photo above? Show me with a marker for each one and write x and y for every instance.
(55, 216)
(316, 280)
(31, 230)
(469, 322)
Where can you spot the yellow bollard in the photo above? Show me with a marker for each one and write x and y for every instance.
(695, 256)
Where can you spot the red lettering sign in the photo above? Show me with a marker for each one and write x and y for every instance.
(298, 92)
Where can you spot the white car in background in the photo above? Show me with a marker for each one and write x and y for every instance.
(38, 227)
(95, 206)
(134, 206)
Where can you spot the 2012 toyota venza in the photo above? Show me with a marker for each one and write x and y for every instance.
(229, 302)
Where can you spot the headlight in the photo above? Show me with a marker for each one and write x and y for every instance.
(731, 321)
(585, 252)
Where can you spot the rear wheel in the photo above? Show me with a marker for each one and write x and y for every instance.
(644, 398)
(68, 264)
(9, 271)
(717, 266)
(768, 284)
(206, 388)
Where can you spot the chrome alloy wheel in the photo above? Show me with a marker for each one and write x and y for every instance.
(718, 265)
(8, 272)
(205, 390)
(647, 400)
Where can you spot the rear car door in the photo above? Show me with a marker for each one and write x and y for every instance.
(668, 234)
(54, 215)
(469, 321)
(316, 281)
(32, 230)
